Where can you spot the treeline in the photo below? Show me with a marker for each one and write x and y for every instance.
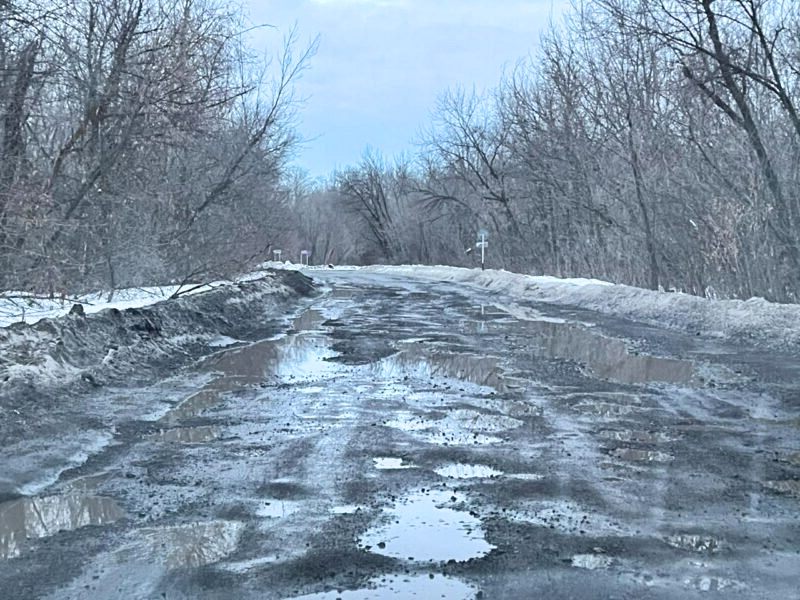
(655, 143)
(650, 142)
(140, 142)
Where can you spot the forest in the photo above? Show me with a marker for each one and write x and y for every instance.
(654, 143)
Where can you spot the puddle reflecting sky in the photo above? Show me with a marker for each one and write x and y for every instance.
(30, 518)
(191, 545)
(606, 357)
(414, 362)
(423, 527)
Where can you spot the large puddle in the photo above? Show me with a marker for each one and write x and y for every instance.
(31, 518)
(425, 527)
(413, 362)
(604, 357)
(464, 471)
(298, 358)
(190, 545)
(403, 587)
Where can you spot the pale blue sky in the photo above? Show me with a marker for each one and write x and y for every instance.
(382, 63)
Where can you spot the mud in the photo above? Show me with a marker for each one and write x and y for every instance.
(407, 439)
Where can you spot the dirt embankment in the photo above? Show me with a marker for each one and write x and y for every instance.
(44, 363)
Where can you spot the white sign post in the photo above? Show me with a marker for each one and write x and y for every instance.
(304, 254)
(277, 254)
(483, 244)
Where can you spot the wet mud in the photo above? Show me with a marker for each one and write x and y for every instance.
(402, 440)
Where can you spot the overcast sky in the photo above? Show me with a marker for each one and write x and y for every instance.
(382, 63)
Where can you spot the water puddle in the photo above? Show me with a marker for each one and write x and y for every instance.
(387, 463)
(347, 509)
(415, 362)
(703, 544)
(310, 320)
(424, 527)
(647, 456)
(604, 357)
(403, 587)
(525, 476)
(457, 427)
(223, 341)
(290, 359)
(463, 471)
(32, 518)
(591, 561)
(191, 545)
(89, 483)
(186, 435)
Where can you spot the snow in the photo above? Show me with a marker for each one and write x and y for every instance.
(18, 307)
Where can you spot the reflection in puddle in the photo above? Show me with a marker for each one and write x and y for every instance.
(414, 362)
(185, 435)
(458, 427)
(591, 561)
(294, 358)
(310, 320)
(31, 518)
(183, 545)
(402, 587)
(462, 471)
(642, 455)
(606, 358)
(421, 527)
(391, 463)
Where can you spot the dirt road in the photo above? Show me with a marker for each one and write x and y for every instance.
(416, 440)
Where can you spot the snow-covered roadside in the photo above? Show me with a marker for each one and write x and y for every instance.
(59, 350)
(23, 307)
(755, 320)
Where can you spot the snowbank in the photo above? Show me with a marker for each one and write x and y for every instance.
(114, 343)
(755, 321)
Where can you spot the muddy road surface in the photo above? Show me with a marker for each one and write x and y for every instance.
(416, 440)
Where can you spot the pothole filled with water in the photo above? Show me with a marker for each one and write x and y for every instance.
(464, 471)
(606, 358)
(457, 427)
(591, 562)
(389, 463)
(403, 587)
(190, 545)
(424, 527)
(185, 435)
(31, 518)
(482, 371)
